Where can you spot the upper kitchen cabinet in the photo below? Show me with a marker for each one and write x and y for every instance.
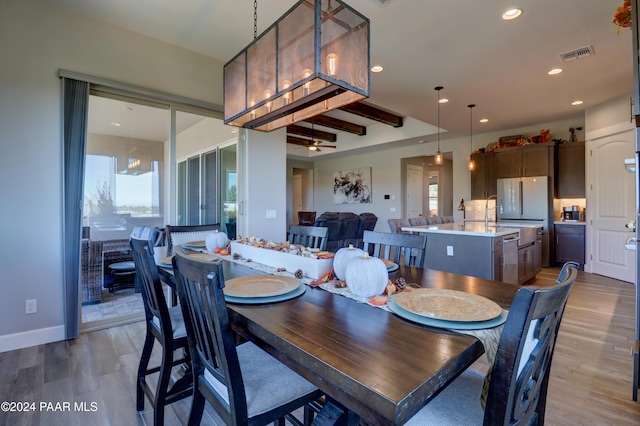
(483, 177)
(571, 174)
(528, 160)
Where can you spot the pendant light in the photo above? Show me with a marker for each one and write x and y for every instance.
(438, 158)
(471, 165)
(313, 59)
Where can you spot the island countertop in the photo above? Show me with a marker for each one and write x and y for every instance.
(468, 228)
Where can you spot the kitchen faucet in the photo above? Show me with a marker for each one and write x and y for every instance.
(486, 210)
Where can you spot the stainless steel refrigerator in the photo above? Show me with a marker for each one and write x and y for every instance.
(526, 199)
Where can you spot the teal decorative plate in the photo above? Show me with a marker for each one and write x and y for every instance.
(269, 299)
(453, 325)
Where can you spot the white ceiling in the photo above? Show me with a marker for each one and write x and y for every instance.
(463, 45)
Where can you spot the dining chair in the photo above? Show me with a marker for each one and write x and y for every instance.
(418, 221)
(565, 270)
(407, 248)
(177, 235)
(166, 326)
(434, 220)
(517, 388)
(124, 271)
(395, 225)
(243, 383)
(309, 236)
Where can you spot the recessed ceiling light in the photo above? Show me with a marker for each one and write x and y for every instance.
(577, 102)
(555, 71)
(376, 68)
(114, 124)
(484, 120)
(511, 14)
(443, 100)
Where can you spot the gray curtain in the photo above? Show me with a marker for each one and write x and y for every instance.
(75, 107)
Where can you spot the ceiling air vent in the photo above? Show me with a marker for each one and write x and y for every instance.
(581, 53)
(382, 3)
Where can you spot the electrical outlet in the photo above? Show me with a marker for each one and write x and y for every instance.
(30, 306)
(449, 250)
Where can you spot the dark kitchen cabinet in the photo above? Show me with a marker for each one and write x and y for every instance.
(528, 160)
(483, 177)
(570, 243)
(527, 263)
(571, 170)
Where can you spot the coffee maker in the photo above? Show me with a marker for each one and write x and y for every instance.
(573, 214)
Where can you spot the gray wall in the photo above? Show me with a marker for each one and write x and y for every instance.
(36, 40)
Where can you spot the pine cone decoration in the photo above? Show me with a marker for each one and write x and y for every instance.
(299, 274)
(400, 283)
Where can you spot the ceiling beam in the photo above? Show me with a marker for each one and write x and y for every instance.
(299, 141)
(373, 113)
(337, 124)
(306, 142)
(311, 133)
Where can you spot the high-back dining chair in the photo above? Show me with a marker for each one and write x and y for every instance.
(418, 221)
(178, 235)
(517, 389)
(408, 248)
(565, 270)
(244, 384)
(309, 236)
(164, 325)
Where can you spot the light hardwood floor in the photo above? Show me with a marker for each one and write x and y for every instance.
(590, 378)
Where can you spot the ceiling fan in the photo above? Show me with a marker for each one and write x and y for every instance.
(316, 145)
(313, 143)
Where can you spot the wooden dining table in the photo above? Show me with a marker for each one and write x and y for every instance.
(377, 366)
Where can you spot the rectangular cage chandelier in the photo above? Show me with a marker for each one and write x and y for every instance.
(314, 59)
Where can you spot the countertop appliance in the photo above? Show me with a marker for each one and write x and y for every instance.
(573, 214)
(526, 199)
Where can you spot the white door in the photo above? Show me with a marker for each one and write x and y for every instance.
(610, 205)
(415, 187)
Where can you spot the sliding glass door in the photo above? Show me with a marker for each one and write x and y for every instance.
(203, 171)
(228, 190)
(123, 189)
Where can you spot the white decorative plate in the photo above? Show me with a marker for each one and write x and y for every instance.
(260, 286)
(448, 305)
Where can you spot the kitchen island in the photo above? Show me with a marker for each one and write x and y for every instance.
(500, 251)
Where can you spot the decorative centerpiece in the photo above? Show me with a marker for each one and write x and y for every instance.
(342, 258)
(216, 240)
(366, 276)
(291, 257)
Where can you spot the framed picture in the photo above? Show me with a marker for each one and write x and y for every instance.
(352, 186)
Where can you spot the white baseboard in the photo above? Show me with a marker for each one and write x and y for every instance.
(25, 339)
